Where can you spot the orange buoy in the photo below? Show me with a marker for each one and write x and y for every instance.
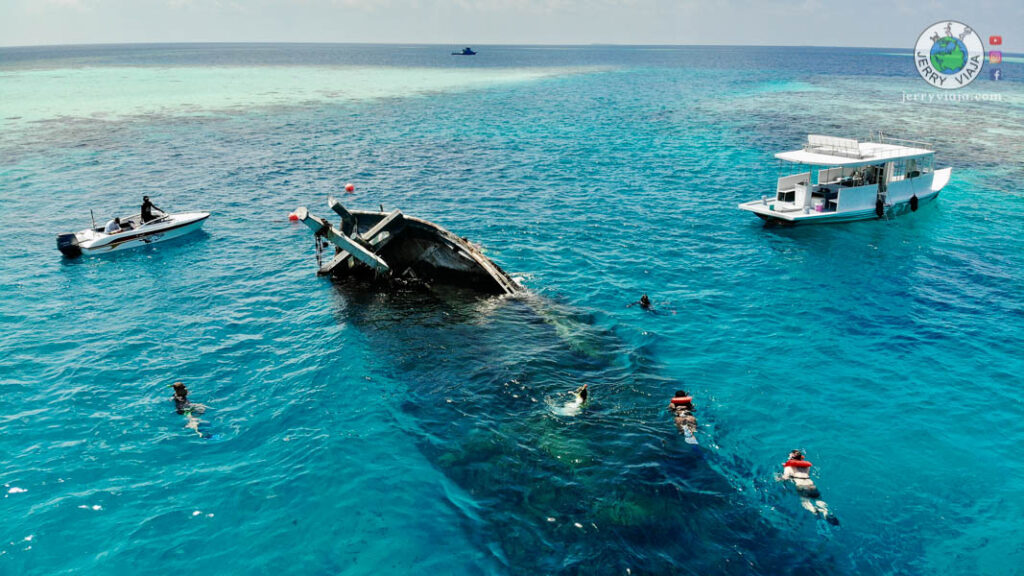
(350, 188)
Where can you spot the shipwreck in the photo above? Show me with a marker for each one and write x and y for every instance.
(392, 250)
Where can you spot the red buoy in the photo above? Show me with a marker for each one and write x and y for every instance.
(350, 188)
(293, 217)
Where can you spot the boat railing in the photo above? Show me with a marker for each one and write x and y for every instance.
(881, 138)
(832, 146)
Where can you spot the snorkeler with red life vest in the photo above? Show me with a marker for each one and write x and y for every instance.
(795, 470)
(682, 410)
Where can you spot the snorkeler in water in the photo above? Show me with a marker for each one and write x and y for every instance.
(581, 393)
(682, 410)
(573, 406)
(648, 306)
(644, 303)
(187, 408)
(795, 470)
(181, 402)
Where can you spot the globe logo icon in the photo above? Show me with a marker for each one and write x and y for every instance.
(949, 55)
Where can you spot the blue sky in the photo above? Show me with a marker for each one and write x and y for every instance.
(870, 23)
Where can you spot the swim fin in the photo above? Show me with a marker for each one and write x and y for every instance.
(689, 437)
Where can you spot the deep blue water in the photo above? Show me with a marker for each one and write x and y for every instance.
(408, 434)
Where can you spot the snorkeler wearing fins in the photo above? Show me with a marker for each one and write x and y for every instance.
(187, 408)
(795, 470)
(681, 406)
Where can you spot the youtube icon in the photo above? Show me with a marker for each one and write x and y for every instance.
(995, 40)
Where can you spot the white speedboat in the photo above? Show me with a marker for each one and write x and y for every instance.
(132, 235)
(840, 179)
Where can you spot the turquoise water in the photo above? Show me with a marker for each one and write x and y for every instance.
(358, 433)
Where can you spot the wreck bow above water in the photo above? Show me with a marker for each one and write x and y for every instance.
(394, 250)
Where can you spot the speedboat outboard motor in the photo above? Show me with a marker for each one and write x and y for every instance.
(68, 245)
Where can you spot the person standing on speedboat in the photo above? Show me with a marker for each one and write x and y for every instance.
(795, 470)
(147, 210)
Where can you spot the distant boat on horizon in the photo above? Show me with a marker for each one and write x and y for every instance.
(467, 51)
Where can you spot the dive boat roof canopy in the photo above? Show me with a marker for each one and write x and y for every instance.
(831, 151)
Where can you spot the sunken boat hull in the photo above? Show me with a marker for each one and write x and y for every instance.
(392, 250)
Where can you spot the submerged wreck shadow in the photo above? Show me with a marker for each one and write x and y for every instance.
(600, 492)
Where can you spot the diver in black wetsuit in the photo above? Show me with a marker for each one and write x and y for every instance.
(187, 408)
(147, 210)
(644, 303)
(181, 403)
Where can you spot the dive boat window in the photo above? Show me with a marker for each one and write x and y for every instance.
(912, 171)
(899, 170)
(919, 166)
(873, 173)
(853, 177)
(787, 196)
(845, 177)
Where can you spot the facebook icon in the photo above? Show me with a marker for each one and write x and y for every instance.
(996, 73)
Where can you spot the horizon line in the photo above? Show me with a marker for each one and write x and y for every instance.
(909, 51)
(532, 44)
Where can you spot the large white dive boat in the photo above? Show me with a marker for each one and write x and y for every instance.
(841, 179)
(133, 233)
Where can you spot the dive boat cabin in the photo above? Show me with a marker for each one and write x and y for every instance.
(842, 179)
